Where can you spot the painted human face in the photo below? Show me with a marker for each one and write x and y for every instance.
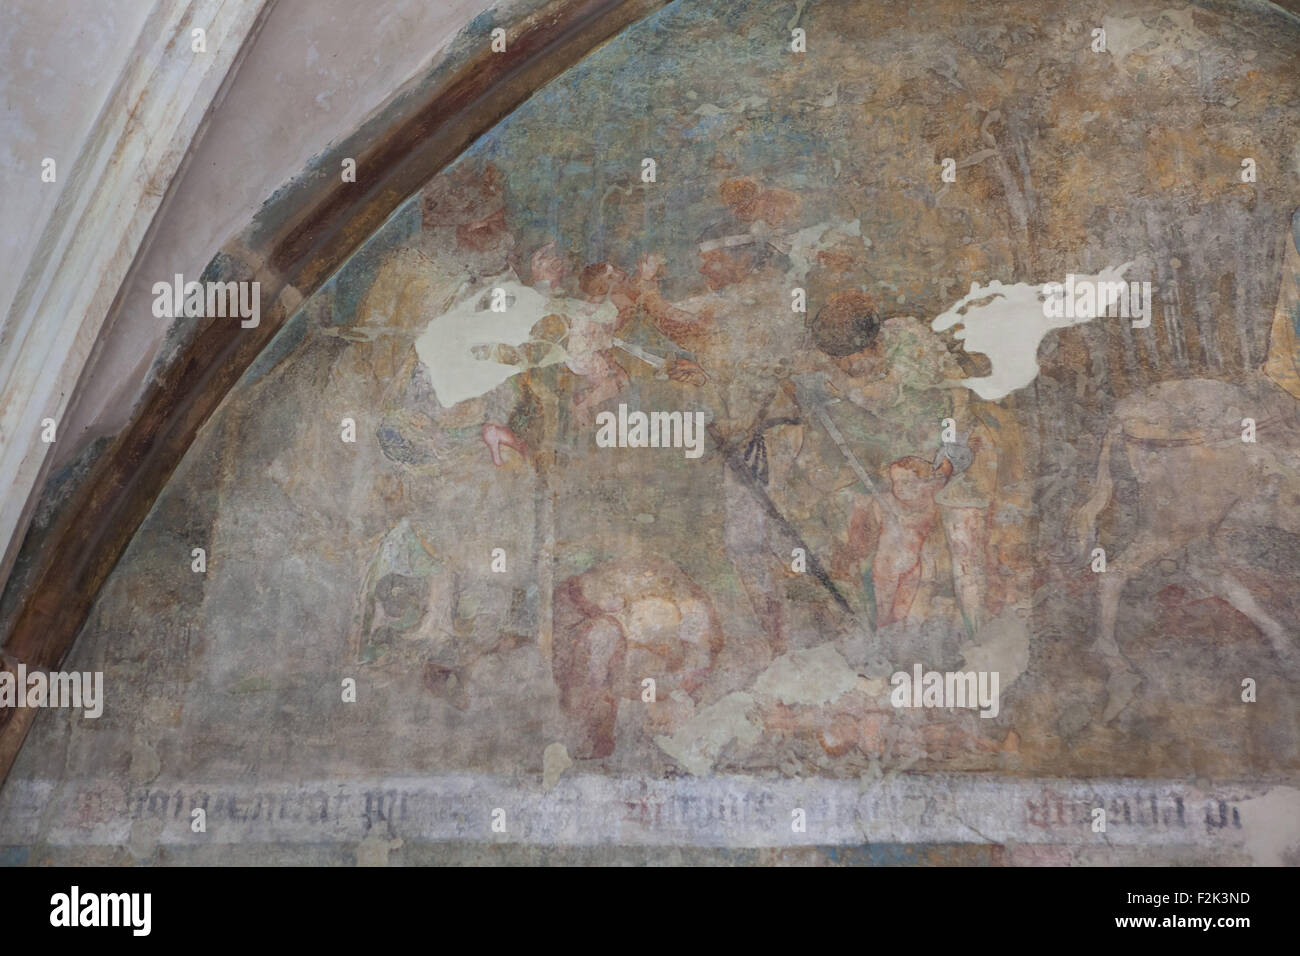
(907, 485)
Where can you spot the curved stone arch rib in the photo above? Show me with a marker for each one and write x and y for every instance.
(115, 192)
(300, 238)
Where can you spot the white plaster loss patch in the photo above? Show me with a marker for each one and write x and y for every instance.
(699, 741)
(812, 677)
(555, 760)
(1007, 323)
(1276, 829)
(1172, 36)
(446, 345)
(805, 244)
(1001, 645)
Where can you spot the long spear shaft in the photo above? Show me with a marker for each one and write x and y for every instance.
(736, 461)
(833, 430)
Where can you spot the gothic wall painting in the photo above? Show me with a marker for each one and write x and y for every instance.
(888, 452)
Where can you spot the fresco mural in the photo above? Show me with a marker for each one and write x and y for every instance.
(710, 437)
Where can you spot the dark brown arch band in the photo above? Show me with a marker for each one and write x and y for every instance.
(296, 242)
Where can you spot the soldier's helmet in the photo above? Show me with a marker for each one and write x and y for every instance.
(849, 322)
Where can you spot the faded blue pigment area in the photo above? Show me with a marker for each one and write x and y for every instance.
(572, 155)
